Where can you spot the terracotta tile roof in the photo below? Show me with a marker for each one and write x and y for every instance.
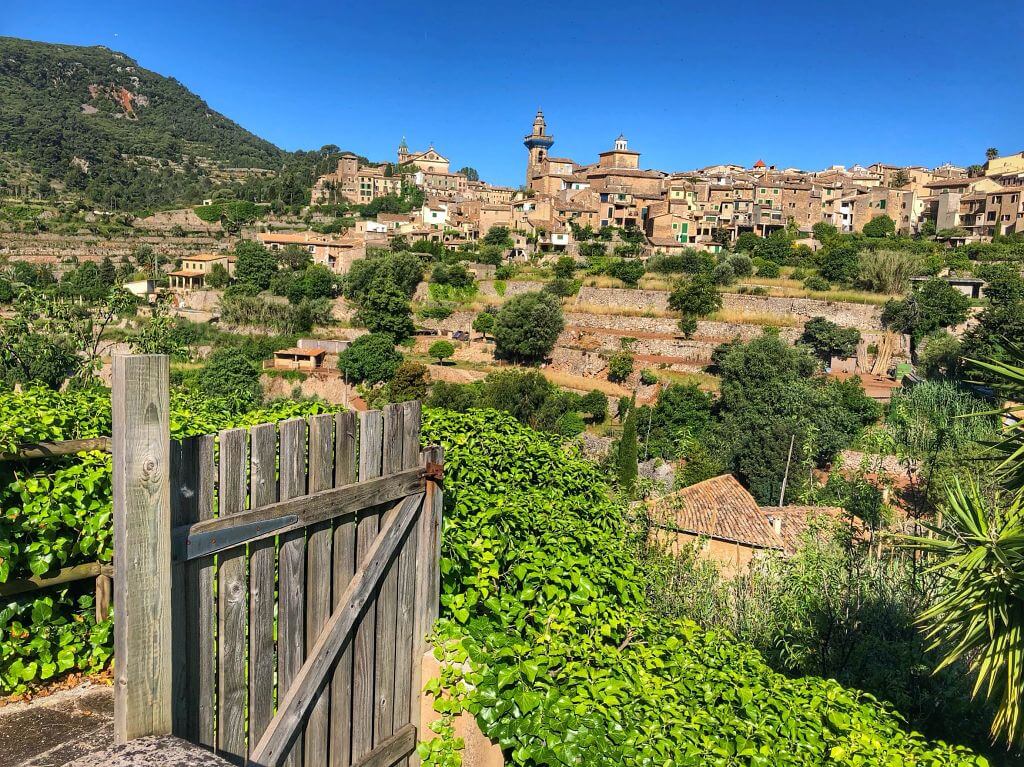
(302, 238)
(205, 257)
(185, 273)
(719, 508)
(793, 521)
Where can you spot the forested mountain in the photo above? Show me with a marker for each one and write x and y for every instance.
(91, 120)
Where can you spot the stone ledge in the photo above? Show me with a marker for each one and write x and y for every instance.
(162, 750)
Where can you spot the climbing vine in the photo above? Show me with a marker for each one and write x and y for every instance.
(569, 667)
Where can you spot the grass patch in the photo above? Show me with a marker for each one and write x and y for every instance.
(615, 311)
(740, 317)
(705, 381)
(786, 288)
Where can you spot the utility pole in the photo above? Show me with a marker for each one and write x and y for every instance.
(785, 476)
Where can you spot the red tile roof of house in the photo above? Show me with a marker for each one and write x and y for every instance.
(794, 521)
(720, 508)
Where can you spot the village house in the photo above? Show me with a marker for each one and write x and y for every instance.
(335, 254)
(718, 515)
(354, 183)
(194, 270)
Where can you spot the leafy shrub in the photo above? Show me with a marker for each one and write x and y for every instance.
(766, 268)
(817, 283)
(370, 359)
(441, 350)
(620, 365)
(741, 265)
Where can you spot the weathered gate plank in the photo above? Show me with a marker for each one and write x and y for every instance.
(404, 661)
(318, 579)
(142, 518)
(387, 597)
(302, 693)
(291, 570)
(201, 599)
(262, 556)
(184, 511)
(391, 750)
(428, 575)
(371, 434)
(344, 565)
(232, 607)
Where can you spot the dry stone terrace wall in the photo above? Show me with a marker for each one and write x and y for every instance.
(706, 329)
(860, 316)
(512, 288)
(46, 247)
(691, 350)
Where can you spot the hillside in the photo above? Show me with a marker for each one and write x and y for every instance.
(91, 120)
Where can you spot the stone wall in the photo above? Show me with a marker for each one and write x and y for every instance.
(46, 247)
(512, 288)
(706, 329)
(861, 316)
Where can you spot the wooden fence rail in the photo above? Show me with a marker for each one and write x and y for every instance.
(274, 586)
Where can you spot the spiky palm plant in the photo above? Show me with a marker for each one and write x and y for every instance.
(1009, 382)
(978, 551)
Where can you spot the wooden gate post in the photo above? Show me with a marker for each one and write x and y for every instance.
(142, 546)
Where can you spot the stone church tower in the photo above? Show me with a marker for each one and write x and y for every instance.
(403, 152)
(537, 144)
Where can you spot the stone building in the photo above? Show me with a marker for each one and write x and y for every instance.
(355, 183)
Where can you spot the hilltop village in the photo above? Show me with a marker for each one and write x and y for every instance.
(706, 208)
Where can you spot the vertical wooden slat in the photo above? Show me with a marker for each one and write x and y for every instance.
(387, 597)
(344, 564)
(291, 571)
(142, 546)
(184, 511)
(404, 661)
(202, 605)
(232, 603)
(318, 580)
(428, 577)
(371, 434)
(262, 661)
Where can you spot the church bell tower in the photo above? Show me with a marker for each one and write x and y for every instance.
(537, 143)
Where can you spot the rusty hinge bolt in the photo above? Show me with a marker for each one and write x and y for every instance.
(434, 471)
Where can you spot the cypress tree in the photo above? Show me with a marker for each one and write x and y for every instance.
(628, 453)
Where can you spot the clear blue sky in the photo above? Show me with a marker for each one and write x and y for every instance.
(690, 83)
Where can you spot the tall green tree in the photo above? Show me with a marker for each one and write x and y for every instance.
(527, 327)
(385, 309)
(255, 266)
(628, 454)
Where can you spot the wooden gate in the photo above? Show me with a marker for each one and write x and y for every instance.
(273, 586)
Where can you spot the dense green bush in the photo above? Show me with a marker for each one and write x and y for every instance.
(57, 513)
(542, 595)
(371, 358)
(527, 327)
